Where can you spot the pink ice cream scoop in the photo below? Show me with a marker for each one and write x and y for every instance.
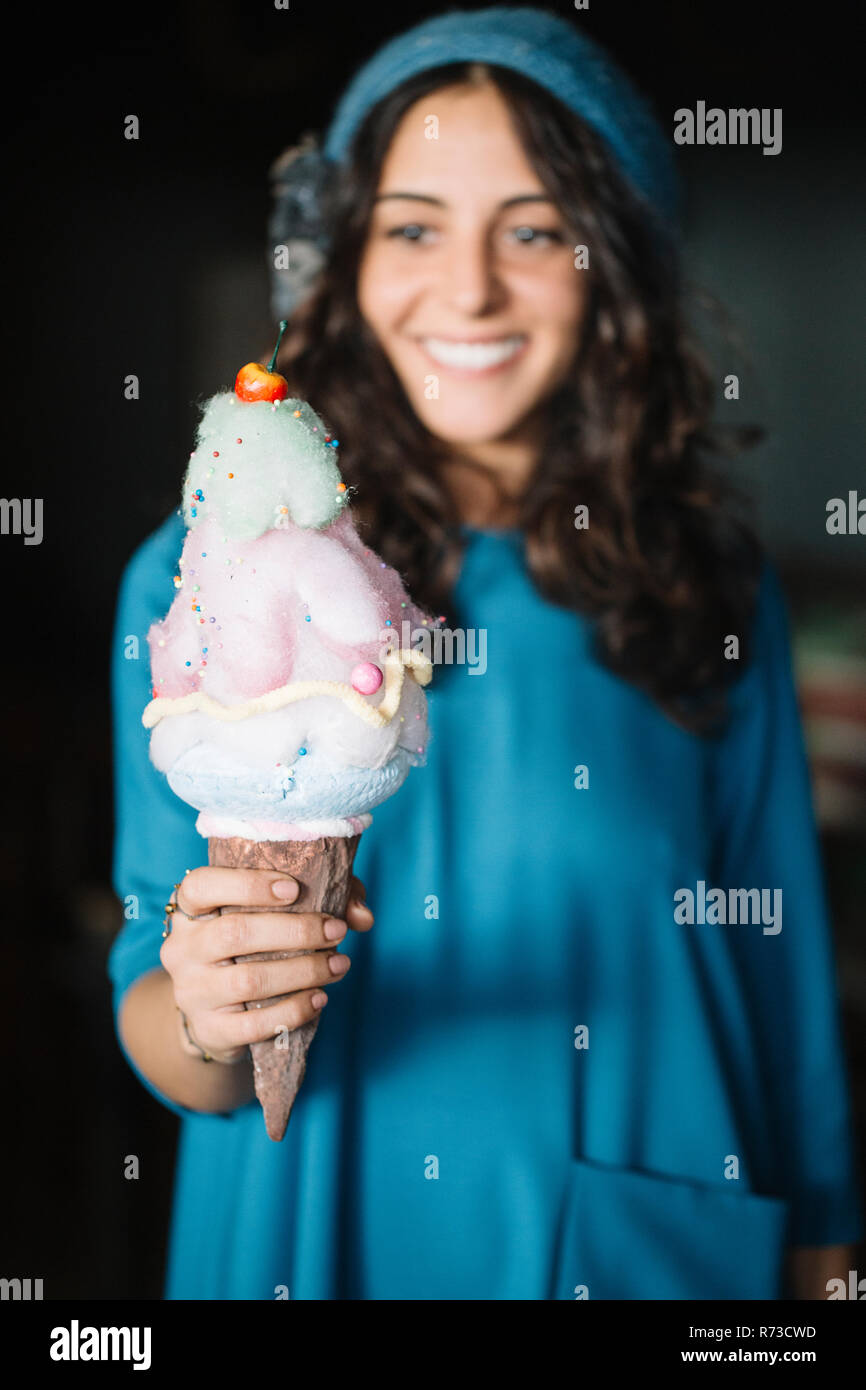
(284, 690)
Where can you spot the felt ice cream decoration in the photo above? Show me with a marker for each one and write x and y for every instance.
(284, 707)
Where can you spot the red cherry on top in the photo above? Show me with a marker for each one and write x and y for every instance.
(257, 383)
(254, 383)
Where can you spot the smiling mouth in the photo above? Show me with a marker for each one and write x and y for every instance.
(467, 356)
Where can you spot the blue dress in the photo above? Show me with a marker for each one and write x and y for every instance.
(538, 1081)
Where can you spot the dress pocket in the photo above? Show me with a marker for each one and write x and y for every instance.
(628, 1234)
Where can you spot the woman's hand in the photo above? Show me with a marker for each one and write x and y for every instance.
(211, 990)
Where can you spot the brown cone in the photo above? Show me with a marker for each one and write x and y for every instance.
(323, 869)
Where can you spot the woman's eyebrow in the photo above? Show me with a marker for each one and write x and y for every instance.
(440, 202)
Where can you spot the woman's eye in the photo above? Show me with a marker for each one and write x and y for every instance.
(408, 231)
(420, 232)
(537, 235)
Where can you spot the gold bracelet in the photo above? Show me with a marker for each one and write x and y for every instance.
(189, 1037)
(206, 1056)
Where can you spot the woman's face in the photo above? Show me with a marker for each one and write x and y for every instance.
(467, 277)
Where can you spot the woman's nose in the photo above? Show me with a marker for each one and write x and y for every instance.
(470, 280)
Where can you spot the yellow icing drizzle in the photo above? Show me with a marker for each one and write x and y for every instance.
(395, 664)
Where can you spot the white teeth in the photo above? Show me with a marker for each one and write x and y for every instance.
(473, 356)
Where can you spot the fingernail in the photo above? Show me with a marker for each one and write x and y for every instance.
(285, 889)
(363, 909)
(335, 930)
(337, 964)
(319, 1000)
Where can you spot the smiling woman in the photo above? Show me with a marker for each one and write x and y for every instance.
(538, 1080)
(535, 381)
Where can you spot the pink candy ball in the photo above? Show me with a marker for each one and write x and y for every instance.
(366, 678)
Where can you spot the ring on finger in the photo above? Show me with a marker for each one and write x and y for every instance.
(173, 905)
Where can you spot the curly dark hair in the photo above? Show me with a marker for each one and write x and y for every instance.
(666, 569)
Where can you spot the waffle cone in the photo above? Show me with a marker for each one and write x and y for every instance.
(323, 869)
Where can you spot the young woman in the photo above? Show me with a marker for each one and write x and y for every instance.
(552, 1070)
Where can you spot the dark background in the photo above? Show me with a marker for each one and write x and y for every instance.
(150, 257)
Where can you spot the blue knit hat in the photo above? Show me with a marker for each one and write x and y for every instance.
(534, 42)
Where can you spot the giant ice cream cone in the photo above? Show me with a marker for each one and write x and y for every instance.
(287, 697)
